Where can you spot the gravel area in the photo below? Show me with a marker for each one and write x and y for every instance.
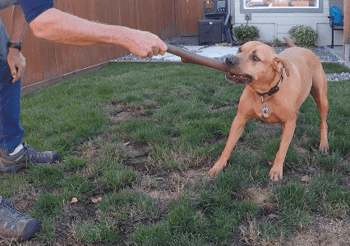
(338, 76)
(323, 54)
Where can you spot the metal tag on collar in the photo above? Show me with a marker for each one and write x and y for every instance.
(265, 111)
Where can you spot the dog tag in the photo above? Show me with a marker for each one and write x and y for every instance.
(265, 111)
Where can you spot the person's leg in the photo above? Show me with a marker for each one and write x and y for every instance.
(11, 131)
(15, 225)
(14, 154)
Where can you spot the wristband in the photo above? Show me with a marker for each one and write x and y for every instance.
(15, 45)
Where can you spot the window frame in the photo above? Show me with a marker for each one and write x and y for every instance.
(318, 9)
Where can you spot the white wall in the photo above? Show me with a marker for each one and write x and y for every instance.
(277, 25)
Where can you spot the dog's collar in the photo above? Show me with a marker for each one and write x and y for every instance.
(273, 89)
(265, 109)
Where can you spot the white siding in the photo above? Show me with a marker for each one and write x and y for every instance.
(277, 25)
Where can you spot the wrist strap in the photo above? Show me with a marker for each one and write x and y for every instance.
(15, 45)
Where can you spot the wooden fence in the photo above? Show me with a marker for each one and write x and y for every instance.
(49, 63)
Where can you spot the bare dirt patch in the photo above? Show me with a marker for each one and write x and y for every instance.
(174, 185)
(250, 235)
(91, 151)
(259, 196)
(84, 210)
(323, 232)
(125, 111)
(137, 157)
(326, 232)
(25, 198)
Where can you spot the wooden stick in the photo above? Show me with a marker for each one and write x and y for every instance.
(190, 57)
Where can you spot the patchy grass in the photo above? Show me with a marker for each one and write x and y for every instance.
(335, 68)
(135, 144)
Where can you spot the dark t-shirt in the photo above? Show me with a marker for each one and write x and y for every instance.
(33, 8)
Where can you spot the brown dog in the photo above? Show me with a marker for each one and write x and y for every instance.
(275, 88)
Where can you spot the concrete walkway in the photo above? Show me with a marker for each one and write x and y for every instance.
(338, 52)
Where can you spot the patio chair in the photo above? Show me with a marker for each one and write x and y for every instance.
(336, 21)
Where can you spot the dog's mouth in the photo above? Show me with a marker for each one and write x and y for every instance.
(239, 79)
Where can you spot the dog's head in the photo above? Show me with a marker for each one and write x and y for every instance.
(254, 61)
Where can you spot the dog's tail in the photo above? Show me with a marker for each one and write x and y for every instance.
(289, 42)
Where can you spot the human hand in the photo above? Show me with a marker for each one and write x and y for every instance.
(145, 44)
(17, 63)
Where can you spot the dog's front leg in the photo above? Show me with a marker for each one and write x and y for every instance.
(236, 130)
(276, 171)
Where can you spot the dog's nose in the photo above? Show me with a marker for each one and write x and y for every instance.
(230, 61)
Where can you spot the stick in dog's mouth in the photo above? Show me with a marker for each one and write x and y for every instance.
(187, 56)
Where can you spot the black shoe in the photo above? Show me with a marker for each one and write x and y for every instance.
(15, 225)
(27, 155)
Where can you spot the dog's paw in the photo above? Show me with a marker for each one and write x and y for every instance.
(215, 170)
(276, 173)
(324, 147)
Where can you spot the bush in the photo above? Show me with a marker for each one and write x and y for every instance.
(303, 35)
(277, 42)
(245, 33)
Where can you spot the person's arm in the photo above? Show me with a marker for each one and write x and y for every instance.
(15, 59)
(61, 27)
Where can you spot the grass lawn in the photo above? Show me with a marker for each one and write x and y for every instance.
(136, 141)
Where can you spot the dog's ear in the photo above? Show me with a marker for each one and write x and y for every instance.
(279, 63)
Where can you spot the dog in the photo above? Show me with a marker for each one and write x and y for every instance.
(275, 88)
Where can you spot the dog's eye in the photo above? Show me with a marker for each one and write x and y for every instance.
(255, 58)
(239, 50)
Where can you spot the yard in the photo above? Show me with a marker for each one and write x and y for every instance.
(136, 141)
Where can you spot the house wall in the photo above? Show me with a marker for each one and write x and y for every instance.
(277, 25)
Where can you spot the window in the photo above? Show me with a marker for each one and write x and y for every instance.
(281, 6)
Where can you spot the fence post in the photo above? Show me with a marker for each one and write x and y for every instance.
(346, 31)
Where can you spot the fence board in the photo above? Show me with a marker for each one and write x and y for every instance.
(187, 13)
(165, 18)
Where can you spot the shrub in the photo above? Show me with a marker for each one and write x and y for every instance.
(245, 33)
(277, 42)
(303, 35)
